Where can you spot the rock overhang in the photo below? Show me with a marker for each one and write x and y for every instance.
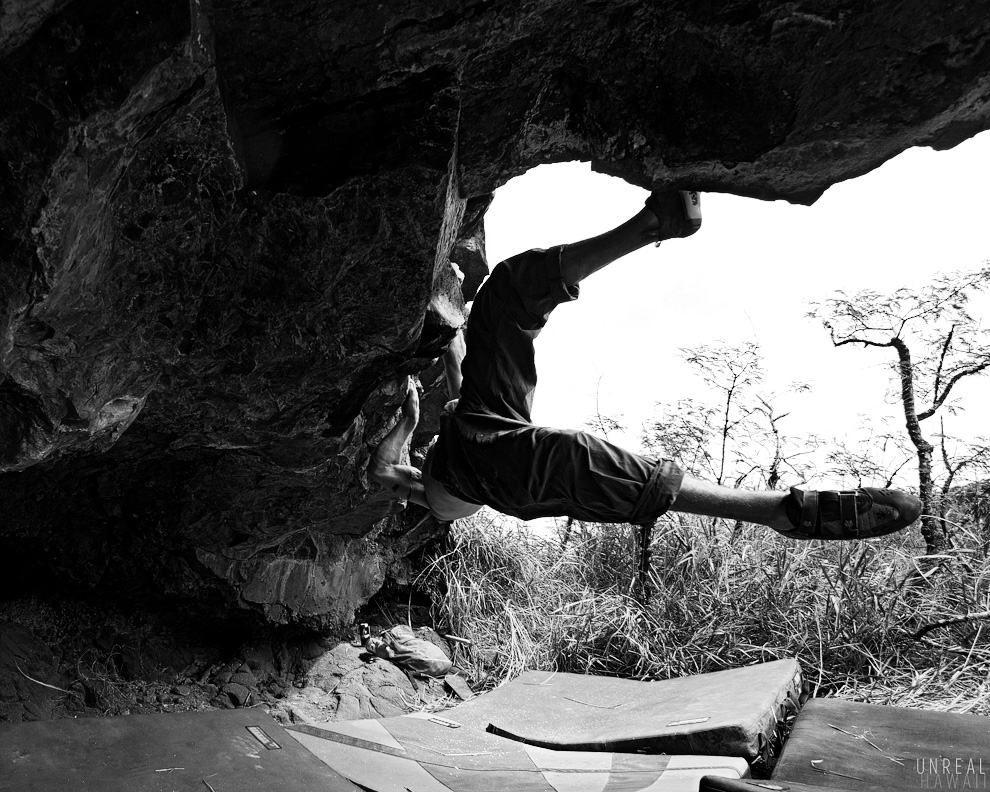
(228, 226)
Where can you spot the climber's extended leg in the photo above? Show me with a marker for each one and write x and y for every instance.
(804, 514)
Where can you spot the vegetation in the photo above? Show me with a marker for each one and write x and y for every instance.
(860, 618)
(737, 437)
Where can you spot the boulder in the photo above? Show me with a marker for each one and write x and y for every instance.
(231, 230)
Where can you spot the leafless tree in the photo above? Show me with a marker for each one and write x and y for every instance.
(937, 344)
(959, 456)
(736, 436)
(733, 372)
(872, 456)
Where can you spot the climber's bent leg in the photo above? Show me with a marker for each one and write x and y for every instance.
(488, 451)
(509, 311)
(514, 304)
(667, 215)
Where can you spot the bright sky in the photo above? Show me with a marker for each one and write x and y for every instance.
(748, 275)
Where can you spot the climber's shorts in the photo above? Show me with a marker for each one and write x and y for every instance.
(490, 452)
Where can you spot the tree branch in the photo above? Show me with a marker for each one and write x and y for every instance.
(919, 634)
(948, 388)
(863, 341)
(941, 360)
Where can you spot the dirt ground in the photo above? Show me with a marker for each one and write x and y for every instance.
(73, 658)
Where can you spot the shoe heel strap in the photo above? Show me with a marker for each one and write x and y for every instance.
(847, 512)
(809, 509)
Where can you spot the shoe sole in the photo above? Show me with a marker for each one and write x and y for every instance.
(692, 207)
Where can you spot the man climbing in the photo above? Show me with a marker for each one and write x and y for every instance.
(489, 452)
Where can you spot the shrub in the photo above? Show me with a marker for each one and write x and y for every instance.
(718, 596)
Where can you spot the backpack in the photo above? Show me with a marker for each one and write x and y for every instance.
(401, 646)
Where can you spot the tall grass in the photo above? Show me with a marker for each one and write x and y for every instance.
(718, 596)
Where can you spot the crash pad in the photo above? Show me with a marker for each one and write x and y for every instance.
(224, 751)
(854, 746)
(431, 753)
(720, 784)
(725, 713)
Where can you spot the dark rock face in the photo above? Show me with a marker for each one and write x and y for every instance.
(226, 231)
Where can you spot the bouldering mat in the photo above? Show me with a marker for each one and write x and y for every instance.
(431, 753)
(223, 750)
(853, 746)
(725, 713)
(720, 784)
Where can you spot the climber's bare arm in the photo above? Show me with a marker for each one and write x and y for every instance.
(405, 481)
(452, 364)
(385, 468)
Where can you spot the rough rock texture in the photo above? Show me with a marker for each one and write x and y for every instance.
(22, 658)
(68, 658)
(226, 230)
(342, 684)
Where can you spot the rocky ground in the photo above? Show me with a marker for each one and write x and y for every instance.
(75, 658)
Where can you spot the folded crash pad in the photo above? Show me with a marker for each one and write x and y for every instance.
(725, 713)
(720, 784)
(853, 746)
(225, 750)
(430, 753)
